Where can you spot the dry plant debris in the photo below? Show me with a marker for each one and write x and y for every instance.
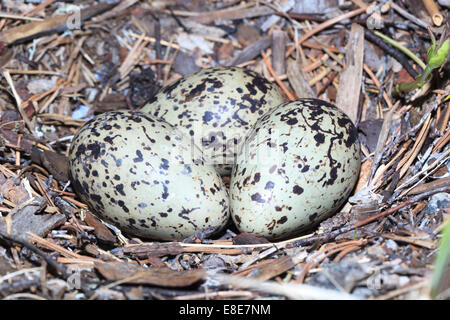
(64, 61)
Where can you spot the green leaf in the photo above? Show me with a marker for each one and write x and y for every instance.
(442, 263)
(436, 58)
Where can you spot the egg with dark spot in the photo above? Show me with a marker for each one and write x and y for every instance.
(126, 170)
(297, 167)
(216, 108)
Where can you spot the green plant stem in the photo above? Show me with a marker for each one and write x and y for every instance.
(402, 48)
(406, 87)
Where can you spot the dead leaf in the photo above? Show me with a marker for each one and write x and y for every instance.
(225, 51)
(56, 164)
(101, 231)
(247, 34)
(269, 269)
(248, 238)
(165, 277)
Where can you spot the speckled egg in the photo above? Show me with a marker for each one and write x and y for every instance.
(216, 107)
(297, 167)
(130, 168)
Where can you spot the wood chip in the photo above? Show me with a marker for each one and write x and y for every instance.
(351, 78)
(153, 249)
(25, 218)
(278, 51)
(298, 80)
(250, 52)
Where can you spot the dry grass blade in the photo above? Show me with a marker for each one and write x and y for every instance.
(416, 148)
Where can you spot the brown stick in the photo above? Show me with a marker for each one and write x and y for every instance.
(439, 183)
(277, 79)
(433, 11)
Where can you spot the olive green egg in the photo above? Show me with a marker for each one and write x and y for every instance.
(216, 108)
(297, 167)
(133, 170)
